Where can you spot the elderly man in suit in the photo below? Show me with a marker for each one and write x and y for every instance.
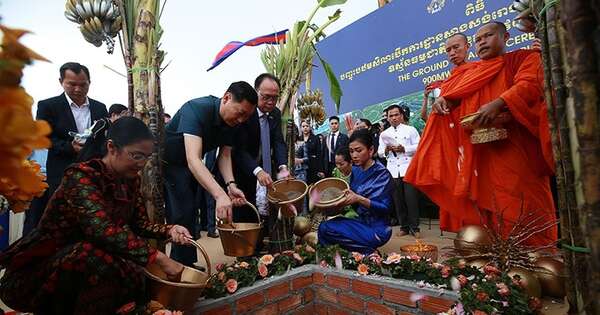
(259, 149)
(72, 111)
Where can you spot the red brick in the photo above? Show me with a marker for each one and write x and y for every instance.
(305, 310)
(301, 282)
(338, 282)
(278, 291)
(432, 304)
(332, 310)
(289, 303)
(320, 309)
(318, 278)
(398, 296)
(309, 295)
(249, 302)
(379, 309)
(352, 302)
(269, 309)
(326, 295)
(405, 313)
(366, 288)
(225, 310)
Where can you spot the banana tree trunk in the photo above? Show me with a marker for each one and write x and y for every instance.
(581, 20)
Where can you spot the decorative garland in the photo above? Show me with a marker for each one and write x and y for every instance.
(487, 292)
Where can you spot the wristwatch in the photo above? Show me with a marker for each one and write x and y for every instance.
(229, 183)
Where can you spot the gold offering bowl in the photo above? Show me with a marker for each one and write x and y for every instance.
(330, 191)
(421, 250)
(486, 133)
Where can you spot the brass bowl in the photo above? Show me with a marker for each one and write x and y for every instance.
(183, 294)
(421, 250)
(330, 191)
(288, 191)
(239, 239)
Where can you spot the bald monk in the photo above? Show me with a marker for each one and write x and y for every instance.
(457, 50)
(473, 182)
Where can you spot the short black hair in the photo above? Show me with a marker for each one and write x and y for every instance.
(461, 35)
(363, 136)
(367, 122)
(128, 130)
(259, 80)
(242, 91)
(392, 107)
(166, 115)
(334, 118)
(344, 152)
(405, 111)
(116, 109)
(75, 67)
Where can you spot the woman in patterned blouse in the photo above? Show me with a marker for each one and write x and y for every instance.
(87, 253)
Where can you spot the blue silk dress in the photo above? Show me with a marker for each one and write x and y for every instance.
(372, 228)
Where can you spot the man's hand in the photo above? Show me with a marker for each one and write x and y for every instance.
(440, 106)
(236, 195)
(489, 111)
(76, 146)
(398, 148)
(224, 207)
(264, 178)
(180, 235)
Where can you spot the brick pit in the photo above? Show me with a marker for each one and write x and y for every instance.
(314, 290)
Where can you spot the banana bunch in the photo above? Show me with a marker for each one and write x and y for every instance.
(99, 20)
(310, 106)
(525, 17)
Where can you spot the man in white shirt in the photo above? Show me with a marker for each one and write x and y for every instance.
(398, 144)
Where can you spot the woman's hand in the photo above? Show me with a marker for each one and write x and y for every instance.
(169, 266)
(180, 235)
(352, 197)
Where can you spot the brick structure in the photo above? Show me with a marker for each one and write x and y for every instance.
(314, 290)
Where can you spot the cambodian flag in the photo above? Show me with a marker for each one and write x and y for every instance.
(232, 47)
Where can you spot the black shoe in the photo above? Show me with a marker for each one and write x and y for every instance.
(213, 234)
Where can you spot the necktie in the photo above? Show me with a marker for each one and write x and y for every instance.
(332, 150)
(265, 143)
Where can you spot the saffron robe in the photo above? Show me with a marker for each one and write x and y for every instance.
(508, 177)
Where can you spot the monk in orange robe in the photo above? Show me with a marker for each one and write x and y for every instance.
(473, 182)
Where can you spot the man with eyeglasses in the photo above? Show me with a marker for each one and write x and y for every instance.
(260, 151)
(200, 126)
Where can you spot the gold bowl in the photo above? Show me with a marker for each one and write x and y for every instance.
(421, 250)
(330, 191)
(240, 239)
(286, 192)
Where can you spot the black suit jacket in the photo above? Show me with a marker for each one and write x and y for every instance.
(246, 151)
(57, 112)
(342, 140)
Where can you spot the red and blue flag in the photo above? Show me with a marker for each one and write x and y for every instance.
(232, 47)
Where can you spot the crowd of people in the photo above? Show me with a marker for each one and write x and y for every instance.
(85, 239)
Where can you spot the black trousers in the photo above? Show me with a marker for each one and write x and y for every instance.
(406, 203)
(181, 208)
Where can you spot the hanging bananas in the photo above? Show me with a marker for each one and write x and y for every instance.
(526, 20)
(99, 20)
(311, 107)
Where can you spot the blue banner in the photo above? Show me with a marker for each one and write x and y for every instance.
(392, 53)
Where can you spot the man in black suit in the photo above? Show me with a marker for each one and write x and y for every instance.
(71, 111)
(259, 151)
(335, 140)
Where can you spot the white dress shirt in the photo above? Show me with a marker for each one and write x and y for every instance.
(404, 135)
(82, 115)
(259, 168)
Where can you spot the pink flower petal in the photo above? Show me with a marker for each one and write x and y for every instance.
(414, 297)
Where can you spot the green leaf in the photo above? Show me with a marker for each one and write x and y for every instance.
(336, 15)
(334, 85)
(328, 3)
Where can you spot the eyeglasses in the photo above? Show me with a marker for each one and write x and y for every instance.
(267, 98)
(139, 157)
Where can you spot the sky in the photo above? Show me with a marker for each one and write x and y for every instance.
(194, 32)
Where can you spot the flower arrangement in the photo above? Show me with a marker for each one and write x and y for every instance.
(20, 180)
(487, 291)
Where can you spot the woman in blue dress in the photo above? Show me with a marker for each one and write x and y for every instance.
(370, 194)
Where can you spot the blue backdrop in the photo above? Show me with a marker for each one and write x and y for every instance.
(396, 50)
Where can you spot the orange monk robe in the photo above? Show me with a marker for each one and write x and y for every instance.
(504, 175)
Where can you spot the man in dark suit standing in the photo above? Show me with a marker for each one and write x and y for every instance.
(72, 111)
(335, 140)
(259, 150)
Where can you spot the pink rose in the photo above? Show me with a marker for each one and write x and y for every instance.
(231, 285)
(482, 296)
(221, 276)
(375, 258)
(415, 257)
(263, 271)
(357, 256)
(323, 264)
(393, 258)
(244, 265)
(445, 271)
(462, 280)
(503, 289)
(491, 269)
